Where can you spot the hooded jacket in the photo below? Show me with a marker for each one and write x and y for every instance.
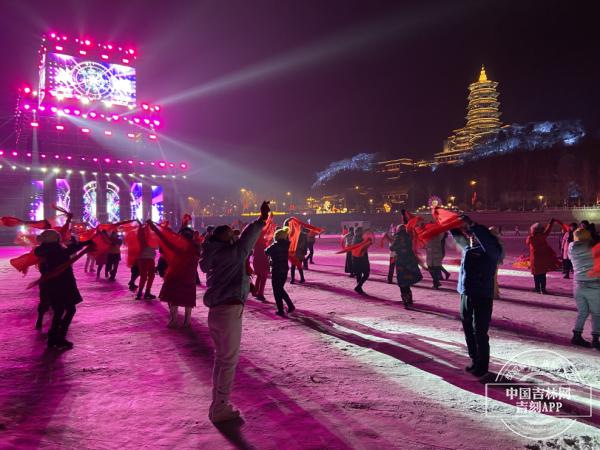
(580, 254)
(224, 263)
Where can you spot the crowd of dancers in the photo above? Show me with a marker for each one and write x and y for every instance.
(231, 258)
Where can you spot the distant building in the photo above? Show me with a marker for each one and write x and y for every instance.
(394, 167)
(483, 121)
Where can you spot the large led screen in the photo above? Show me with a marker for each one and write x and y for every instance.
(69, 76)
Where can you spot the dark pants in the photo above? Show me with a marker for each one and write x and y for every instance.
(445, 272)
(476, 315)
(348, 268)
(112, 264)
(436, 275)
(391, 270)
(135, 273)
(362, 269)
(567, 267)
(293, 272)
(311, 252)
(540, 282)
(63, 315)
(278, 280)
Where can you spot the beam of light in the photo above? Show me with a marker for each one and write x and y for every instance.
(363, 162)
(333, 47)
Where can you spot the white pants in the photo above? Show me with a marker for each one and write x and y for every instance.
(587, 297)
(225, 327)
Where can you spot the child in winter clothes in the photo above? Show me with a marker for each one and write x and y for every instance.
(60, 290)
(587, 289)
(278, 253)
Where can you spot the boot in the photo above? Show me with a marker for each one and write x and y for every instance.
(51, 339)
(596, 341)
(404, 299)
(39, 322)
(221, 410)
(409, 297)
(579, 341)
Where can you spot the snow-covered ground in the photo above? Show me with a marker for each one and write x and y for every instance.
(344, 371)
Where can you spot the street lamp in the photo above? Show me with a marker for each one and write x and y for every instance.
(473, 182)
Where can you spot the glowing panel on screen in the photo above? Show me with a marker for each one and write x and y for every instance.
(69, 76)
(36, 210)
(63, 198)
(89, 204)
(113, 206)
(157, 204)
(137, 205)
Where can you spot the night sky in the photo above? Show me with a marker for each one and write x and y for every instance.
(285, 87)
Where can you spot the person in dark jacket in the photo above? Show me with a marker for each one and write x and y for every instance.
(407, 264)
(114, 256)
(480, 254)
(347, 241)
(360, 260)
(228, 284)
(60, 290)
(300, 254)
(310, 245)
(278, 254)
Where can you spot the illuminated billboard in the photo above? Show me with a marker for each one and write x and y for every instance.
(66, 76)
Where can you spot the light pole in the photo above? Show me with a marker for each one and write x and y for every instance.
(473, 183)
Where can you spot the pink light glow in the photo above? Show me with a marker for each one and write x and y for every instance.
(147, 121)
(131, 52)
(43, 155)
(107, 160)
(152, 136)
(82, 52)
(115, 117)
(156, 122)
(76, 112)
(156, 107)
(59, 48)
(52, 35)
(108, 132)
(130, 135)
(64, 38)
(83, 158)
(69, 157)
(67, 111)
(119, 161)
(95, 159)
(171, 164)
(109, 46)
(93, 114)
(87, 42)
(60, 127)
(130, 161)
(35, 124)
(144, 106)
(104, 56)
(136, 119)
(27, 89)
(26, 106)
(14, 154)
(56, 156)
(85, 130)
(28, 154)
(142, 163)
(162, 164)
(152, 163)
(53, 109)
(42, 108)
(1, 152)
(125, 60)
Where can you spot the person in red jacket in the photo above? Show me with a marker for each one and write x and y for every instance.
(542, 258)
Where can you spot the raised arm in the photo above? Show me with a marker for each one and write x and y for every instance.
(487, 241)
(252, 232)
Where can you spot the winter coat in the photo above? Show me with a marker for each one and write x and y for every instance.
(580, 254)
(407, 265)
(566, 239)
(542, 258)
(478, 263)
(179, 288)
(60, 291)
(224, 263)
(360, 263)
(278, 253)
(302, 247)
(260, 261)
(434, 251)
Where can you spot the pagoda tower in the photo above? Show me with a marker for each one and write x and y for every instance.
(483, 119)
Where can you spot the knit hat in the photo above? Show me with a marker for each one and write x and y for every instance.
(48, 237)
(581, 234)
(281, 233)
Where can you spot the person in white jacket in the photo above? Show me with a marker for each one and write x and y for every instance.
(587, 289)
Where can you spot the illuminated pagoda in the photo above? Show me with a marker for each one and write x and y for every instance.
(84, 142)
(483, 120)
